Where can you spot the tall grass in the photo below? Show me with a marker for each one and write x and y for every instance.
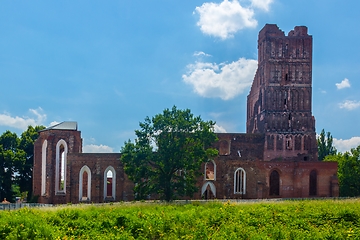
(306, 219)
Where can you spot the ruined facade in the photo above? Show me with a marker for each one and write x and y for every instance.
(277, 157)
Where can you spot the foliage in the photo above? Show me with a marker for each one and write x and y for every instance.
(325, 145)
(16, 161)
(167, 154)
(348, 171)
(304, 219)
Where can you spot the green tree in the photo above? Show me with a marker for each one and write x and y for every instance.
(167, 154)
(16, 162)
(325, 145)
(9, 159)
(26, 144)
(348, 171)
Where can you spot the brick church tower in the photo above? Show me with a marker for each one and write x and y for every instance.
(279, 102)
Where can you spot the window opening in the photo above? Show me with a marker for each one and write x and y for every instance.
(274, 183)
(43, 168)
(313, 183)
(240, 181)
(210, 170)
(85, 184)
(62, 168)
(109, 183)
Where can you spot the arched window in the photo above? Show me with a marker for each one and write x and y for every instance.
(313, 183)
(274, 183)
(85, 184)
(60, 175)
(208, 190)
(240, 181)
(210, 170)
(109, 183)
(43, 168)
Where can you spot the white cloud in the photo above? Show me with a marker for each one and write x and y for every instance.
(219, 129)
(199, 54)
(224, 19)
(92, 148)
(262, 4)
(346, 144)
(221, 80)
(22, 123)
(344, 84)
(53, 123)
(349, 104)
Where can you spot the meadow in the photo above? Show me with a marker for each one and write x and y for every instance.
(296, 219)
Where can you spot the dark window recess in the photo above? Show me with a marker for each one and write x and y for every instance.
(313, 183)
(274, 183)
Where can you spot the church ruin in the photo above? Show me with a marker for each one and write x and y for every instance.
(275, 158)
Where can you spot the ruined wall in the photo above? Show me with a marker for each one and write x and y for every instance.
(294, 173)
(51, 138)
(279, 102)
(98, 163)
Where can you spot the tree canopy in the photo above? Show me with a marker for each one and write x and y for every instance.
(167, 154)
(16, 162)
(348, 171)
(325, 145)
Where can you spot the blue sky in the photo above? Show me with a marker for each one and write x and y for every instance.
(108, 65)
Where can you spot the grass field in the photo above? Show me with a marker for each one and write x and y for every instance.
(298, 219)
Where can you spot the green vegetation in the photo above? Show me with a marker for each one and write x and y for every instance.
(348, 171)
(325, 145)
(303, 219)
(167, 154)
(16, 162)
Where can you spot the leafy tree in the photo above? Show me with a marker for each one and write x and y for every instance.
(167, 154)
(348, 172)
(8, 160)
(16, 162)
(26, 144)
(325, 146)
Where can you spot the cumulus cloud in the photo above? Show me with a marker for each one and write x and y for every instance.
(261, 4)
(92, 148)
(37, 118)
(221, 80)
(344, 84)
(53, 123)
(200, 54)
(349, 104)
(226, 18)
(346, 144)
(219, 129)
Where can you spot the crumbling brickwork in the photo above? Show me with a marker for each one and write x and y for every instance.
(279, 102)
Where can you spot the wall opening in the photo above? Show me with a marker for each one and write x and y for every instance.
(43, 168)
(240, 181)
(85, 184)
(210, 170)
(109, 184)
(208, 191)
(313, 183)
(60, 168)
(274, 183)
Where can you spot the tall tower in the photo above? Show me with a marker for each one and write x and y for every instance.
(279, 102)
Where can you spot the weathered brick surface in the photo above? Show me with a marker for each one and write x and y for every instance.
(278, 153)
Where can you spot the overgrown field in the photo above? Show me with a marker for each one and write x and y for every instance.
(307, 219)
